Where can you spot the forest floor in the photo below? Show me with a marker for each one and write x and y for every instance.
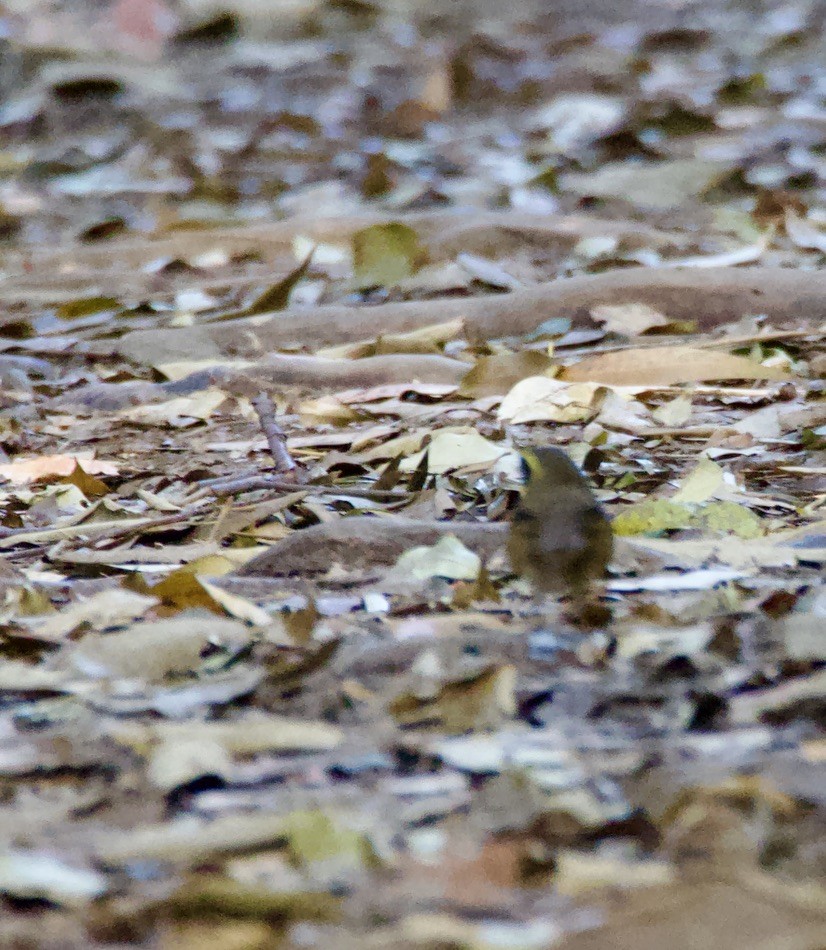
(282, 294)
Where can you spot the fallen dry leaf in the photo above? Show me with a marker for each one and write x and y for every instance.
(151, 650)
(628, 319)
(453, 449)
(270, 679)
(666, 366)
(540, 399)
(24, 471)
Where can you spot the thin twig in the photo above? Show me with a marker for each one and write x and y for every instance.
(254, 482)
(276, 437)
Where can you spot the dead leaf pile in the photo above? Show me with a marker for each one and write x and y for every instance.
(285, 288)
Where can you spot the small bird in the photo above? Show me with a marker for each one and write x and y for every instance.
(560, 538)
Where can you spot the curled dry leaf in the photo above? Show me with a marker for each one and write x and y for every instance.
(90, 486)
(447, 558)
(152, 650)
(180, 412)
(619, 411)
(740, 255)
(175, 764)
(180, 369)
(540, 399)
(676, 412)
(236, 606)
(428, 339)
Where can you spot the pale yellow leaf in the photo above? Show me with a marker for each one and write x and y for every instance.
(179, 412)
(700, 484)
(177, 370)
(676, 412)
(236, 606)
(661, 185)
(628, 319)
(450, 449)
(666, 366)
(101, 611)
(447, 558)
(154, 649)
(326, 409)
(541, 399)
(23, 471)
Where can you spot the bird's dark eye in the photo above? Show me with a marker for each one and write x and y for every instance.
(524, 469)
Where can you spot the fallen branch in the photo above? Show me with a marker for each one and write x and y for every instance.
(710, 297)
(255, 481)
(318, 373)
(277, 370)
(444, 232)
(365, 541)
